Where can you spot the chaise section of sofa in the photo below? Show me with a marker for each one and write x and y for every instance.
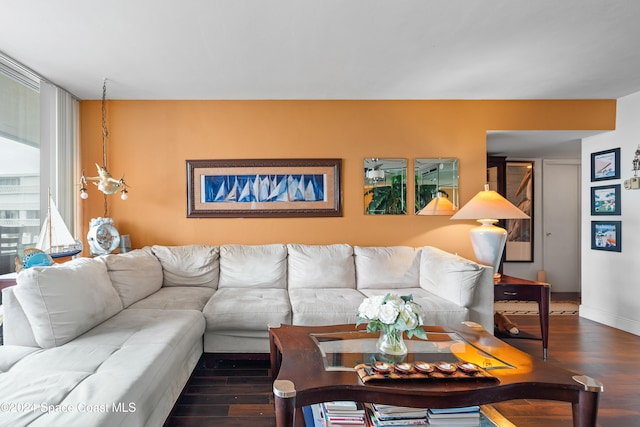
(74, 356)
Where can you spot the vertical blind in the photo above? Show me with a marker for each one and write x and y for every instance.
(41, 115)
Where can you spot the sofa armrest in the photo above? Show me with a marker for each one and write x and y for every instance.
(16, 329)
(481, 309)
(459, 280)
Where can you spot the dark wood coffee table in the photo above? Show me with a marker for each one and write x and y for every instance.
(301, 378)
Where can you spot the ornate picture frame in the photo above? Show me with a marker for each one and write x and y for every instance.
(243, 188)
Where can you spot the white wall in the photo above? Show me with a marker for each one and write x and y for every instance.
(611, 280)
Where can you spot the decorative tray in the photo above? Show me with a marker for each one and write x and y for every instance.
(436, 371)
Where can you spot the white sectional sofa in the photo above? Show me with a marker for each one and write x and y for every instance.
(111, 341)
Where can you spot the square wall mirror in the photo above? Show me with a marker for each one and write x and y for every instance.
(436, 186)
(385, 186)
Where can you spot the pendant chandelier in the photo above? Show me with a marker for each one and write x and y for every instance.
(104, 181)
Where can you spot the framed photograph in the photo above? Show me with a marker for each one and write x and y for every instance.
(605, 165)
(519, 191)
(605, 235)
(264, 188)
(605, 200)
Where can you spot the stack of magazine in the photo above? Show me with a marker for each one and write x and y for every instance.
(335, 414)
(397, 416)
(460, 417)
(348, 414)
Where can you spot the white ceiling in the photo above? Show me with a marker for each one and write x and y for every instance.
(336, 49)
(329, 49)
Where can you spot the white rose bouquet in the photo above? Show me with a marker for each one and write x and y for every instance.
(391, 314)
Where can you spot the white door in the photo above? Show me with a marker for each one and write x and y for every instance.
(561, 224)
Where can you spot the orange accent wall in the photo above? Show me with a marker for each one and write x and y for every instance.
(150, 141)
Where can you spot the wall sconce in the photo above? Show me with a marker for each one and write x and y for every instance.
(633, 183)
(104, 181)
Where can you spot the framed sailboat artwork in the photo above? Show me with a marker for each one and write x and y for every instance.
(264, 188)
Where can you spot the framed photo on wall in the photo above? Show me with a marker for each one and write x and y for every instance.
(605, 165)
(264, 188)
(605, 236)
(605, 200)
(519, 191)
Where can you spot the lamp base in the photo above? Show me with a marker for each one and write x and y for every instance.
(488, 243)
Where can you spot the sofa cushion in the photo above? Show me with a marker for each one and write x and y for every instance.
(260, 266)
(247, 309)
(449, 276)
(177, 298)
(189, 265)
(321, 266)
(66, 300)
(135, 275)
(387, 267)
(317, 307)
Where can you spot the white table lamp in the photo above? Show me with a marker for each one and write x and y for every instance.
(488, 240)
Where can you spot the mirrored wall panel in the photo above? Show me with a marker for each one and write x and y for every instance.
(385, 186)
(436, 186)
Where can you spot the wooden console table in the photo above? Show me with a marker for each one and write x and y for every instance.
(510, 288)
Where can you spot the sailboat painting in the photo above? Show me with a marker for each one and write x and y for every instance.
(263, 188)
(55, 238)
(243, 188)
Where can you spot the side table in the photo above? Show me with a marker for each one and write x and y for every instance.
(510, 288)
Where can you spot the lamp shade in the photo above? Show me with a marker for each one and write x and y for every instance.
(488, 240)
(439, 205)
(488, 204)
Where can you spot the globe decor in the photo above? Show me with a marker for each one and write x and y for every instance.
(392, 315)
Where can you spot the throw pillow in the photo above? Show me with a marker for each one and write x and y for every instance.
(387, 267)
(189, 265)
(259, 266)
(135, 275)
(64, 301)
(321, 266)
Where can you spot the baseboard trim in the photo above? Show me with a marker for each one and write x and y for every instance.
(610, 319)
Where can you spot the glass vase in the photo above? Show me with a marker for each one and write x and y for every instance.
(391, 342)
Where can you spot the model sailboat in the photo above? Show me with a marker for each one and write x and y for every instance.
(55, 238)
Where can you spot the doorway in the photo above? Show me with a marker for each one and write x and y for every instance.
(561, 224)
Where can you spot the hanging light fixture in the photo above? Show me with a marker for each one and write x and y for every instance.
(104, 181)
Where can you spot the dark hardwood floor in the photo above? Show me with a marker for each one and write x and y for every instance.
(238, 393)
